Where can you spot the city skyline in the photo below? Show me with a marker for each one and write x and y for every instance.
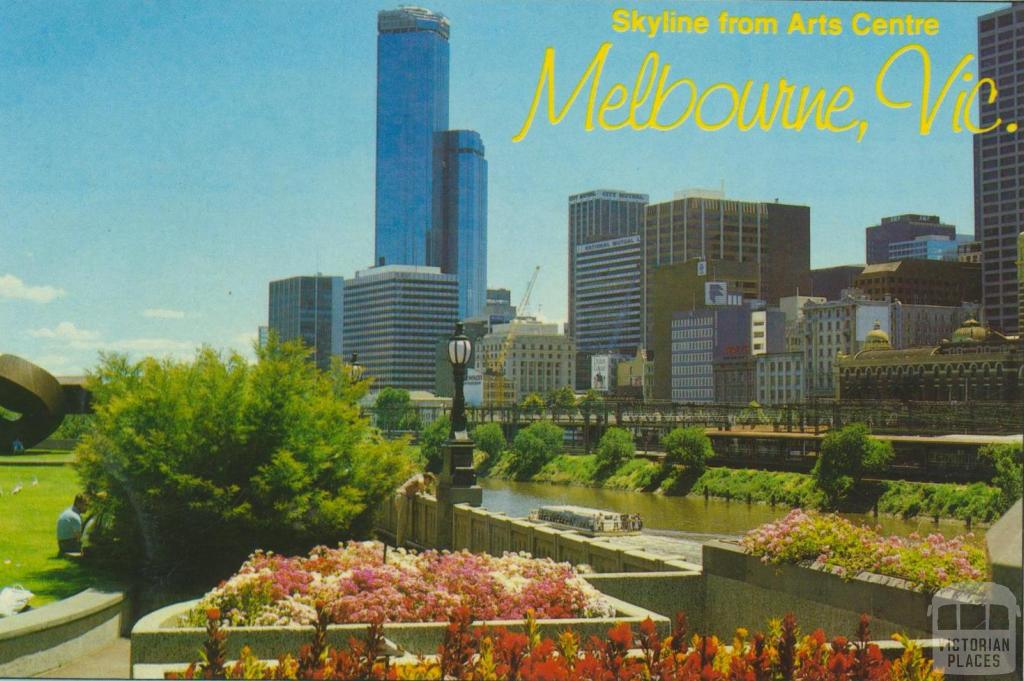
(147, 209)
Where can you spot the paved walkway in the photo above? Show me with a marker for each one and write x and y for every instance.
(110, 662)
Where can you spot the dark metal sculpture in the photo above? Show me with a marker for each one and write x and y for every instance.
(32, 393)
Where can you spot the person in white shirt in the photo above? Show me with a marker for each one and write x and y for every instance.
(70, 526)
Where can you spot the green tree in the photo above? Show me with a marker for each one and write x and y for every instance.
(192, 465)
(614, 449)
(590, 402)
(561, 399)
(690, 447)
(395, 411)
(489, 438)
(532, 404)
(1007, 461)
(432, 441)
(846, 456)
(534, 446)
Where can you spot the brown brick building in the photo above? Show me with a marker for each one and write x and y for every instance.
(922, 282)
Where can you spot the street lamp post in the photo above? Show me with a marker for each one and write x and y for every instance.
(456, 483)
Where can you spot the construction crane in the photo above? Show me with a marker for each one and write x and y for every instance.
(494, 373)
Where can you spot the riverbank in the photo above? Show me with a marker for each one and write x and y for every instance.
(976, 502)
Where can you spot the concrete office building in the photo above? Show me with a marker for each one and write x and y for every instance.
(431, 184)
(499, 309)
(837, 326)
(309, 309)
(601, 216)
(792, 308)
(969, 251)
(902, 228)
(771, 380)
(927, 248)
(262, 336)
(681, 287)
(927, 325)
(394, 316)
(700, 338)
(922, 282)
(539, 359)
(999, 165)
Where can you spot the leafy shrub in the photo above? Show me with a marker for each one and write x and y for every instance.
(432, 441)
(215, 457)
(532, 404)
(533, 447)
(490, 439)
(73, 427)
(690, 447)
(615, 448)
(394, 411)
(931, 562)
(1008, 462)
(846, 455)
(469, 652)
(561, 399)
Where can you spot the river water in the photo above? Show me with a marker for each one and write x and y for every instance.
(690, 517)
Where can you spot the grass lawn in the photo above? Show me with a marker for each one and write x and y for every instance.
(28, 540)
(32, 455)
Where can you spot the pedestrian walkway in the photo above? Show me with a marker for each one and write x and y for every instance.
(112, 661)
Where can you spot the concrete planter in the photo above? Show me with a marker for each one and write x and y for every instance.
(159, 639)
(741, 591)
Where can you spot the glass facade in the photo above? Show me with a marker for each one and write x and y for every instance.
(310, 309)
(412, 107)
(464, 236)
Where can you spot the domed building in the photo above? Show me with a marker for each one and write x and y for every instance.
(975, 364)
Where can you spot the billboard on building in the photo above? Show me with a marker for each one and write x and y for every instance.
(600, 372)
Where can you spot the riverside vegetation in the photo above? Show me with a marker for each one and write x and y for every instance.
(837, 481)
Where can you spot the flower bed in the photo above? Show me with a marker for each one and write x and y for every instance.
(929, 563)
(620, 653)
(353, 583)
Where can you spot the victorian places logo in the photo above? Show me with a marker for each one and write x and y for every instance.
(976, 624)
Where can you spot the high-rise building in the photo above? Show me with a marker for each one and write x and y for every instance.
(902, 228)
(310, 309)
(412, 108)
(500, 309)
(922, 282)
(927, 248)
(431, 207)
(464, 232)
(700, 338)
(775, 237)
(394, 316)
(602, 216)
(262, 336)
(999, 164)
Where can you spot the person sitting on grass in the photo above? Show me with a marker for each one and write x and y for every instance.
(70, 526)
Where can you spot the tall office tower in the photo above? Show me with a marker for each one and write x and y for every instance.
(500, 309)
(464, 232)
(310, 309)
(774, 237)
(606, 282)
(902, 228)
(394, 316)
(999, 165)
(601, 216)
(412, 107)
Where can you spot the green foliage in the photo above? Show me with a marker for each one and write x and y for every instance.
(533, 447)
(690, 447)
(753, 415)
(73, 427)
(432, 441)
(216, 457)
(490, 439)
(615, 448)
(846, 455)
(591, 402)
(787, 489)
(532, 404)
(561, 399)
(1007, 460)
(395, 411)
(946, 500)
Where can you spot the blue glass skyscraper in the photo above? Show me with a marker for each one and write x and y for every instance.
(412, 107)
(465, 218)
(431, 181)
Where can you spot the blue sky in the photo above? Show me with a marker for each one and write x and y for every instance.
(161, 162)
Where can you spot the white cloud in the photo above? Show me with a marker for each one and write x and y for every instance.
(14, 288)
(65, 331)
(162, 313)
(159, 346)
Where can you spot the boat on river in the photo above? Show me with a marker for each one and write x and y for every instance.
(589, 521)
